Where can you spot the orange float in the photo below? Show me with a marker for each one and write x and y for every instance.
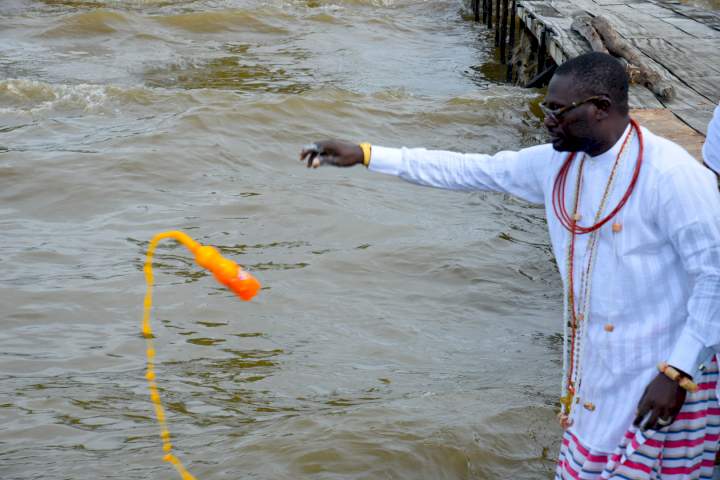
(226, 272)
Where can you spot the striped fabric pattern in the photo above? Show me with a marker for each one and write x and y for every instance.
(685, 450)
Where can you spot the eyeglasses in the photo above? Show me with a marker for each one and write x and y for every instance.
(556, 114)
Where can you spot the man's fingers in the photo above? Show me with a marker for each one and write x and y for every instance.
(326, 152)
(309, 153)
(651, 422)
(309, 148)
(665, 418)
(304, 154)
(642, 412)
(315, 154)
(310, 158)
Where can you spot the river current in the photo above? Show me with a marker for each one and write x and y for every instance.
(402, 332)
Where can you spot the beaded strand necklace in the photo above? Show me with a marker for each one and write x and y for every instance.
(575, 318)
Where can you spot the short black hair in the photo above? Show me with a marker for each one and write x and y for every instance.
(599, 73)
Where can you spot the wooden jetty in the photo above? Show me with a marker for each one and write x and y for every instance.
(679, 42)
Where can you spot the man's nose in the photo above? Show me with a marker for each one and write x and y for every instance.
(550, 122)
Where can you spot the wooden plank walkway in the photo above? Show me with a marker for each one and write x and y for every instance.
(661, 121)
(681, 42)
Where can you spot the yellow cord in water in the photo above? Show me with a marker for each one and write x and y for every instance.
(228, 273)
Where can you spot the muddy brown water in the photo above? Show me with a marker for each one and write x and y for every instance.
(403, 333)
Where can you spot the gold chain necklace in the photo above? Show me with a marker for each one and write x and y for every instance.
(576, 319)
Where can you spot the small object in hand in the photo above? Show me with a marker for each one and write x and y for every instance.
(311, 154)
(664, 422)
(312, 147)
(644, 422)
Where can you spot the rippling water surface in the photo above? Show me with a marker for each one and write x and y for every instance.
(403, 333)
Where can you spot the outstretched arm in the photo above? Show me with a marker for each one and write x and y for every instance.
(520, 173)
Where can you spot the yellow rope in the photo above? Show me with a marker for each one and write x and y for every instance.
(228, 273)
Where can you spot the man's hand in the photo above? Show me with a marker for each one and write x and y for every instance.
(662, 400)
(331, 152)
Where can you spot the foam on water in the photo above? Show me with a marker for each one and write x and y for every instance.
(35, 97)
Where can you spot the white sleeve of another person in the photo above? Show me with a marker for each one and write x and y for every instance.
(711, 149)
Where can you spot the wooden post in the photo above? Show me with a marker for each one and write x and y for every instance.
(476, 9)
(489, 15)
(503, 32)
(485, 11)
(542, 78)
(513, 27)
(541, 53)
(513, 23)
(497, 23)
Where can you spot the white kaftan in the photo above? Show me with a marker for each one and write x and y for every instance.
(657, 281)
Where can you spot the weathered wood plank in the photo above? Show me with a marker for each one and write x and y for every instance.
(634, 23)
(696, 118)
(657, 11)
(617, 2)
(562, 42)
(709, 87)
(542, 9)
(685, 97)
(662, 122)
(641, 97)
(693, 27)
(707, 17)
(689, 57)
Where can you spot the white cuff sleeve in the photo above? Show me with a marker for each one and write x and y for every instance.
(686, 354)
(385, 160)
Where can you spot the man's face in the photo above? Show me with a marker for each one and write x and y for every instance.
(574, 129)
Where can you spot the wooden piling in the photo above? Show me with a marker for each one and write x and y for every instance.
(497, 22)
(511, 41)
(484, 11)
(542, 53)
(503, 32)
(489, 13)
(476, 9)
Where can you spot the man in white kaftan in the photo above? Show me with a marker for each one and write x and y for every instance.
(655, 286)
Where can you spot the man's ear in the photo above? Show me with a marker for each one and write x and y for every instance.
(603, 105)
